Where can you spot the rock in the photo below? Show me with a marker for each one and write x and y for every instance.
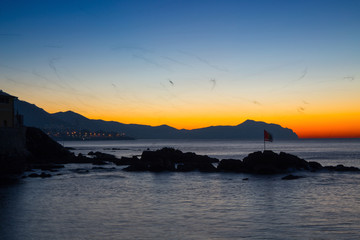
(196, 166)
(268, 162)
(291, 177)
(46, 166)
(165, 159)
(43, 149)
(206, 167)
(102, 168)
(137, 166)
(185, 168)
(42, 175)
(99, 162)
(80, 170)
(342, 168)
(45, 175)
(125, 161)
(102, 156)
(314, 166)
(231, 165)
(33, 175)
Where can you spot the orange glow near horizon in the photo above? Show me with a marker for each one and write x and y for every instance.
(322, 118)
(305, 126)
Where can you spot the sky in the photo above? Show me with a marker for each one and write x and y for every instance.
(188, 64)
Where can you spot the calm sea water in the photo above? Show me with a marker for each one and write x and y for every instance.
(113, 204)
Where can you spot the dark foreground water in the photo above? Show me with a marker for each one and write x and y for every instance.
(113, 204)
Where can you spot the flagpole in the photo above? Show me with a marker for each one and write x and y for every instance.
(264, 144)
(264, 140)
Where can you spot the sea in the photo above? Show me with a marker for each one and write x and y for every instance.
(83, 201)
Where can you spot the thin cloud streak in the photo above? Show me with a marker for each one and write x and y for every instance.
(152, 62)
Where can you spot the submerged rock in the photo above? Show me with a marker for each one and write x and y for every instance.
(291, 177)
(42, 175)
(342, 168)
(45, 166)
(102, 156)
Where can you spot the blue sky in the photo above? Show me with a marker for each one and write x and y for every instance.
(184, 63)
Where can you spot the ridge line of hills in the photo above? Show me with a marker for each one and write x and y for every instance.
(71, 121)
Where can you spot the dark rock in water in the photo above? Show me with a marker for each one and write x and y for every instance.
(45, 175)
(342, 168)
(102, 156)
(43, 149)
(125, 161)
(245, 179)
(99, 162)
(268, 162)
(80, 170)
(137, 166)
(46, 166)
(185, 168)
(314, 166)
(42, 175)
(231, 165)
(102, 168)
(206, 167)
(291, 177)
(196, 166)
(166, 158)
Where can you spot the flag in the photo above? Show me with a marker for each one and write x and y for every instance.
(267, 136)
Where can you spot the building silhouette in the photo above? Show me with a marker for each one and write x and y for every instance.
(7, 110)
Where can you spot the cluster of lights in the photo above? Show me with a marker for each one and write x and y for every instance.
(83, 134)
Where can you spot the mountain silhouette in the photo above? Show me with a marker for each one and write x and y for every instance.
(248, 130)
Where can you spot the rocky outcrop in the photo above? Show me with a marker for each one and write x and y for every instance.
(169, 159)
(267, 162)
(38, 151)
(341, 168)
(43, 149)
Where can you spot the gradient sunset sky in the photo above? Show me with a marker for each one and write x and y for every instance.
(188, 64)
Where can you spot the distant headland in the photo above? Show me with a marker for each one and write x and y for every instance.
(73, 126)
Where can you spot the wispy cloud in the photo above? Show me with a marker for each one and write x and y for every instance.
(256, 102)
(213, 83)
(303, 74)
(350, 78)
(151, 62)
(52, 65)
(301, 109)
(205, 61)
(175, 61)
